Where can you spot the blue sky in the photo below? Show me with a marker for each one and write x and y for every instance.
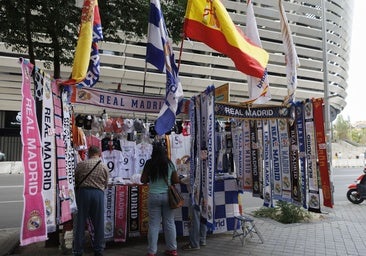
(356, 99)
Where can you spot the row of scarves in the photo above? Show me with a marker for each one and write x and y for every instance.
(284, 158)
(49, 197)
(47, 143)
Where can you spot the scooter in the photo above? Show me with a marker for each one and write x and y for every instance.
(357, 191)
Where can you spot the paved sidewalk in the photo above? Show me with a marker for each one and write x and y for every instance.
(341, 231)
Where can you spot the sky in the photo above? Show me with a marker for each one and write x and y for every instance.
(355, 109)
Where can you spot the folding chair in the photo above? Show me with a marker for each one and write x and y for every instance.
(246, 227)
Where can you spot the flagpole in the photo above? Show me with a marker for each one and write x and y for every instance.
(180, 51)
(143, 86)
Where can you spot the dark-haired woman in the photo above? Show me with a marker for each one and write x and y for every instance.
(159, 171)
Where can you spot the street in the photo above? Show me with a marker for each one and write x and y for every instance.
(11, 198)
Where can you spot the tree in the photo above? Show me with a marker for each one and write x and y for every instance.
(131, 17)
(341, 129)
(48, 30)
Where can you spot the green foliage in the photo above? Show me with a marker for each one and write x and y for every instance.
(131, 17)
(344, 130)
(48, 30)
(341, 129)
(284, 212)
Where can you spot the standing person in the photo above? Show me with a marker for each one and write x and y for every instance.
(197, 231)
(198, 225)
(91, 179)
(158, 171)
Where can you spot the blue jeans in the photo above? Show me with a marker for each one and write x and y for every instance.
(159, 211)
(198, 229)
(90, 202)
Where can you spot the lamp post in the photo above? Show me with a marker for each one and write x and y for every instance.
(327, 96)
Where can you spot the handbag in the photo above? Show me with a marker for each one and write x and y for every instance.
(176, 199)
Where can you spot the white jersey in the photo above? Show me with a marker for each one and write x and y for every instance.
(113, 159)
(128, 158)
(180, 148)
(143, 152)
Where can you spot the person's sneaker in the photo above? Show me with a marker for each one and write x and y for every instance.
(202, 243)
(171, 253)
(188, 247)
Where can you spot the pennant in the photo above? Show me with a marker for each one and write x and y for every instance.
(210, 23)
(258, 88)
(159, 53)
(292, 61)
(86, 66)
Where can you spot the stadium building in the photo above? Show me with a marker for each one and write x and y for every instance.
(322, 46)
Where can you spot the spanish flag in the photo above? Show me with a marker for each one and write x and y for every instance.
(209, 22)
(86, 66)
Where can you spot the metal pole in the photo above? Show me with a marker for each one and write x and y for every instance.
(327, 125)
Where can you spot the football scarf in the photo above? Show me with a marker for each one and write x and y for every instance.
(313, 193)
(276, 160)
(255, 157)
(120, 216)
(64, 212)
(322, 153)
(294, 160)
(302, 156)
(193, 154)
(207, 143)
(238, 153)
(247, 175)
(49, 149)
(109, 206)
(143, 210)
(285, 159)
(196, 169)
(69, 151)
(267, 172)
(260, 155)
(133, 211)
(33, 228)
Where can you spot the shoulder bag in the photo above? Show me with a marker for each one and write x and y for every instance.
(176, 199)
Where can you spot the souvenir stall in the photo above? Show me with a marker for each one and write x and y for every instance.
(63, 136)
(273, 152)
(127, 143)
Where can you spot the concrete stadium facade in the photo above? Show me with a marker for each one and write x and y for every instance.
(201, 66)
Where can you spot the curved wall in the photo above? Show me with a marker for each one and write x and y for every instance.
(200, 66)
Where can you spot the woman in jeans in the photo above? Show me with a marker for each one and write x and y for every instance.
(159, 171)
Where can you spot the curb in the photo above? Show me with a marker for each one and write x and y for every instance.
(9, 241)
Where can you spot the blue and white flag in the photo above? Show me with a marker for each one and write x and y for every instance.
(159, 53)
